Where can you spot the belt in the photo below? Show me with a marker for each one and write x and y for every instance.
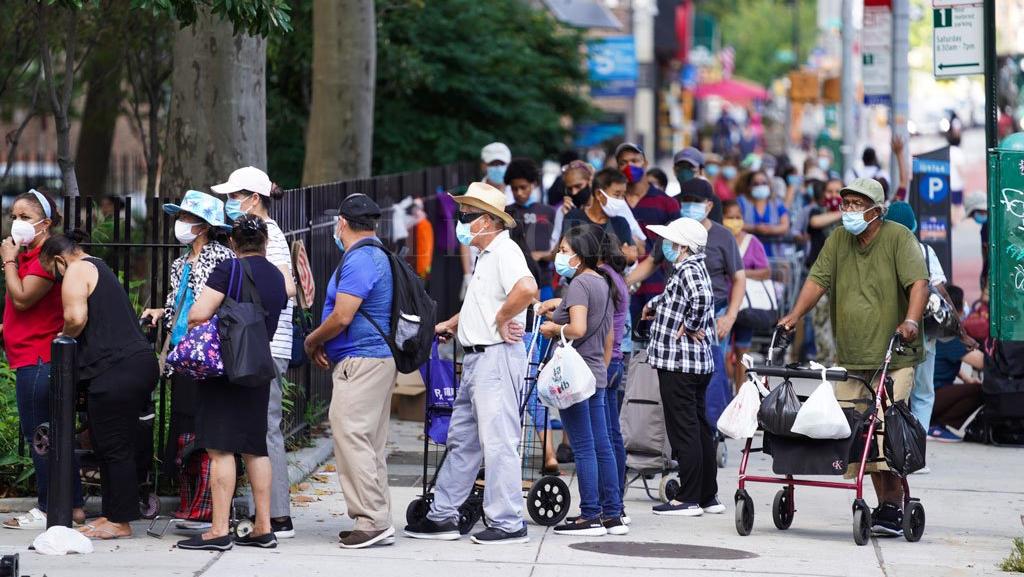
(470, 349)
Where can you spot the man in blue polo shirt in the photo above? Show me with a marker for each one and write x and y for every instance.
(364, 370)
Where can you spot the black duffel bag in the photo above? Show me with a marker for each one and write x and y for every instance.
(244, 341)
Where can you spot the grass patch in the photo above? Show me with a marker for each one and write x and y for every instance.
(1015, 562)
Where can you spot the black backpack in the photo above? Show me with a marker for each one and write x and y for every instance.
(413, 312)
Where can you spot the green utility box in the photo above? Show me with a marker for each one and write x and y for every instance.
(1006, 238)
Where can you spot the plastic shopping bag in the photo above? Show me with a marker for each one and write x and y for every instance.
(439, 376)
(779, 409)
(739, 419)
(566, 379)
(904, 440)
(821, 417)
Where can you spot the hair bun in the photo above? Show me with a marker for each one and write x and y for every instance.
(78, 236)
(276, 192)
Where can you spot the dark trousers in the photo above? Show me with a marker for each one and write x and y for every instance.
(116, 399)
(690, 434)
(954, 403)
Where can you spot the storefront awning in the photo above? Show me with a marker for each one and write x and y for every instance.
(733, 90)
(583, 13)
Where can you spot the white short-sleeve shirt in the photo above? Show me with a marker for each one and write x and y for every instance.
(500, 266)
(938, 276)
(279, 255)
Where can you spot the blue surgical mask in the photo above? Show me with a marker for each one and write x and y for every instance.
(562, 266)
(980, 218)
(669, 250)
(824, 163)
(794, 180)
(496, 174)
(233, 209)
(463, 234)
(760, 191)
(695, 210)
(854, 222)
(337, 241)
(729, 172)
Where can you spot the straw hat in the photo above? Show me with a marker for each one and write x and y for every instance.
(684, 232)
(485, 197)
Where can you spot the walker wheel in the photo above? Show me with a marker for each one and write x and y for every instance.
(913, 521)
(548, 501)
(41, 439)
(722, 454)
(744, 513)
(668, 489)
(861, 522)
(149, 507)
(418, 509)
(782, 508)
(244, 528)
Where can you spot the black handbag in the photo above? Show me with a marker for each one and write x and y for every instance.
(759, 319)
(244, 341)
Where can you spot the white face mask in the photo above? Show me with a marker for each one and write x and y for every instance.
(614, 206)
(24, 232)
(183, 232)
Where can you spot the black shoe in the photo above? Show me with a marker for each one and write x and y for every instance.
(264, 541)
(495, 536)
(582, 527)
(887, 520)
(564, 454)
(197, 543)
(616, 526)
(427, 529)
(283, 528)
(678, 509)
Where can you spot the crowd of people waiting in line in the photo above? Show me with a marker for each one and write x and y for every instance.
(611, 261)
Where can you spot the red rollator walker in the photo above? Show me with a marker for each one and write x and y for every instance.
(793, 455)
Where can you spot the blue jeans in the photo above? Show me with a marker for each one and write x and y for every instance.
(32, 388)
(922, 396)
(596, 473)
(615, 371)
(719, 391)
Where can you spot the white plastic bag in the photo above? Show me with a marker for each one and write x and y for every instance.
(739, 419)
(61, 540)
(566, 379)
(821, 417)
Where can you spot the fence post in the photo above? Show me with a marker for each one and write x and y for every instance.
(63, 378)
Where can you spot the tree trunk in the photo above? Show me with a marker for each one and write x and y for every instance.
(339, 138)
(60, 96)
(218, 116)
(99, 119)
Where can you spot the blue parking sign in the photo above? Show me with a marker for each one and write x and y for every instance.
(612, 65)
(933, 188)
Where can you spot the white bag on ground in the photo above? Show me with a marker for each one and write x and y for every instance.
(61, 540)
(821, 417)
(566, 379)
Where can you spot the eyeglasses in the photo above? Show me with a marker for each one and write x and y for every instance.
(855, 206)
(467, 217)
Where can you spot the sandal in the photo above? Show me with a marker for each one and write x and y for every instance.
(34, 520)
(100, 534)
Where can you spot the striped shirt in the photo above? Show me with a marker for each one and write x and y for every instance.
(279, 255)
(687, 302)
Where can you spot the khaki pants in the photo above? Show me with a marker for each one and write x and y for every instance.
(851, 390)
(359, 415)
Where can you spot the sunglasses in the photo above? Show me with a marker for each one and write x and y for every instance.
(467, 217)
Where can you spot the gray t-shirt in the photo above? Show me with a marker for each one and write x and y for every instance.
(723, 260)
(591, 291)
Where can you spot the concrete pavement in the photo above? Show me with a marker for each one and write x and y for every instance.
(974, 499)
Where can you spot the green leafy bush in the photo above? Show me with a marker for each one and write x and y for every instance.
(16, 470)
(1015, 562)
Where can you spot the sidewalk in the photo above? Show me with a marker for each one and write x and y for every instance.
(974, 500)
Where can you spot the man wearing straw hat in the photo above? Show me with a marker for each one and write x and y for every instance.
(485, 424)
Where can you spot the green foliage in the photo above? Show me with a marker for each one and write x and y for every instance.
(1015, 562)
(454, 75)
(759, 29)
(15, 469)
(255, 17)
(289, 57)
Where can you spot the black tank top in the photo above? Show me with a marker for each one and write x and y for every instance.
(112, 331)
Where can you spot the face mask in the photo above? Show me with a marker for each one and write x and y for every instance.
(614, 206)
(497, 173)
(760, 191)
(833, 203)
(980, 218)
(634, 174)
(183, 232)
(735, 225)
(824, 163)
(729, 172)
(793, 180)
(581, 198)
(465, 236)
(669, 250)
(854, 222)
(233, 208)
(337, 240)
(562, 266)
(770, 172)
(685, 174)
(24, 232)
(58, 276)
(695, 210)
(712, 170)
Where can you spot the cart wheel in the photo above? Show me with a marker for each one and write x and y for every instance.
(469, 513)
(722, 454)
(668, 489)
(861, 523)
(548, 501)
(782, 509)
(149, 507)
(744, 513)
(41, 439)
(418, 509)
(244, 528)
(913, 522)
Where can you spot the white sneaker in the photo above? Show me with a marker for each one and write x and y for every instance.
(714, 507)
(922, 471)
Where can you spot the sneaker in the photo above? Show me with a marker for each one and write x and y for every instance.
(364, 539)
(887, 519)
(922, 471)
(943, 435)
(283, 528)
(678, 509)
(564, 454)
(582, 527)
(615, 526)
(495, 536)
(714, 506)
(626, 519)
(264, 541)
(386, 541)
(427, 529)
(197, 543)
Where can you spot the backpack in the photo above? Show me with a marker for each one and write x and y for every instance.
(413, 312)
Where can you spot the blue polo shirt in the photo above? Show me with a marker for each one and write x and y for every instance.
(365, 273)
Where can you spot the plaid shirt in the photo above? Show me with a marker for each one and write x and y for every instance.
(687, 302)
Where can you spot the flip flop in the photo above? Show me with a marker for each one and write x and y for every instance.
(34, 520)
(99, 534)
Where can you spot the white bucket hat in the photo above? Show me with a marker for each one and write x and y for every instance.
(684, 232)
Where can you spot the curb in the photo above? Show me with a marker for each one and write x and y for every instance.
(301, 464)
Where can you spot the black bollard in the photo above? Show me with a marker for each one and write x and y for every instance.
(63, 378)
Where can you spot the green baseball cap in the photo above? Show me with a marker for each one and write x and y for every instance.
(868, 187)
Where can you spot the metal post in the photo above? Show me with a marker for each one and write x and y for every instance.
(900, 81)
(849, 87)
(991, 78)
(63, 377)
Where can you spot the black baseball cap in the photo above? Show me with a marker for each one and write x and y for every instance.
(696, 187)
(356, 206)
(690, 155)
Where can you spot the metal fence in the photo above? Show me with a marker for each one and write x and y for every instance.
(137, 242)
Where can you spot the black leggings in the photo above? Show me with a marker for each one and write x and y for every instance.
(690, 434)
(116, 400)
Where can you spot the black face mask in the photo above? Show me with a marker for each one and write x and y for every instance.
(581, 198)
(58, 276)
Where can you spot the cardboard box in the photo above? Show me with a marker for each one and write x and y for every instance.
(410, 397)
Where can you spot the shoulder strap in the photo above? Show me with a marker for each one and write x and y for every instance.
(927, 260)
(337, 280)
(745, 245)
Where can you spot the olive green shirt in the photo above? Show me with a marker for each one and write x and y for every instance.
(869, 293)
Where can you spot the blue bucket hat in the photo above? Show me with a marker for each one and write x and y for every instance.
(205, 206)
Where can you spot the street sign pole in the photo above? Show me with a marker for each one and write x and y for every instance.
(991, 78)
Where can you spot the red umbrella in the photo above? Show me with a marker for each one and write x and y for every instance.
(733, 90)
